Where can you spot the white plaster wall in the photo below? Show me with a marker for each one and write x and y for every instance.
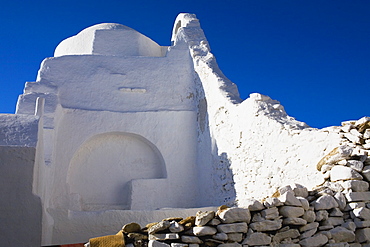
(18, 155)
(254, 146)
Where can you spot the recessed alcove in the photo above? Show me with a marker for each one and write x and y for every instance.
(102, 168)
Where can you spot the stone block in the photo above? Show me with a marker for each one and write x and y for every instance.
(155, 243)
(362, 235)
(291, 212)
(338, 173)
(235, 237)
(362, 213)
(325, 202)
(231, 215)
(191, 239)
(266, 225)
(257, 239)
(270, 213)
(202, 218)
(356, 185)
(341, 234)
(292, 233)
(234, 227)
(294, 221)
(314, 241)
(358, 196)
(289, 199)
(204, 230)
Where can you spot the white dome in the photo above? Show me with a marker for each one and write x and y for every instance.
(109, 39)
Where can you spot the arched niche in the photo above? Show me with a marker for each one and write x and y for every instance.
(101, 170)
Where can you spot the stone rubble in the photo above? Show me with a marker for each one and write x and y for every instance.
(335, 213)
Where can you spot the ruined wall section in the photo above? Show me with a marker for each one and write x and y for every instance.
(255, 146)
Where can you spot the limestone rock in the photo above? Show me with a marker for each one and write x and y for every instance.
(366, 173)
(131, 227)
(163, 236)
(290, 211)
(190, 219)
(270, 213)
(309, 216)
(214, 222)
(350, 225)
(356, 185)
(289, 199)
(137, 236)
(308, 234)
(231, 215)
(322, 215)
(337, 154)
(294, 221)
(357, 196)
(257, 238)
(235, 237)
(336, 212)
(309, 226)
(220, 236)
(191, 239)
(266, 225)
(314, 241)
(155, 243)
(325, 202)
(160, 226)
(204, 230)
(179, 245)
(363, 235)
(274, 202)
(292, 233)
(355, 165)
(341, 234)
(333, 221)
(304, 202)
(234, 227)
(175, 227)
(202, 218)
(255, 205)
(341, 200)
(363, 213)
(230, 245)
(344, 173)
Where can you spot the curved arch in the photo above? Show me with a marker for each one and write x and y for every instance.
(101, 170)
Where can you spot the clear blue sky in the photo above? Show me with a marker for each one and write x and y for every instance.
(313, 56)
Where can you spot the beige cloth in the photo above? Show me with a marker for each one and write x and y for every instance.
(108, 241)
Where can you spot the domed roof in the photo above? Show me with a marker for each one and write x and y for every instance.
(108, 39)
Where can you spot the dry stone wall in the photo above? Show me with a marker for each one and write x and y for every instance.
(335, 213)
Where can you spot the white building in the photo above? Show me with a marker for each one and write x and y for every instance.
(116, 128)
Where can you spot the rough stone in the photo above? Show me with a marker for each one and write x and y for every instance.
(309, 226)
(350, 225)
(308, 234)
(322, 215)
(163, 236)
(230, 245)
(325, 202)
(344, 173)
(214, 222)
(290, 211)
(270, 213)
(257, 239)
(191, 239)
(179, 245)
(304, 202)
(254, 205)
(220, 236)
(160, 226)
(333, 221)
(175, 227)
(235, 237)
(202, 218)
(356, 185)
(274, 202)
(289, 199)
(131, 227)
(292, 233)
(363, 213)
(337, 154)
(204, 230)
(155, 243)
(266, 225)
(336, 212)
(309, 216)
(362, 235)
(341, 200)
(294, 221)
(314, 241)
(234, 227)
(355, 165)
(366, 172)
(232, 215)
(358, 196)
(341, 234)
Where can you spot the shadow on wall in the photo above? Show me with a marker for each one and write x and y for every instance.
(225, 179)
(20, 209)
